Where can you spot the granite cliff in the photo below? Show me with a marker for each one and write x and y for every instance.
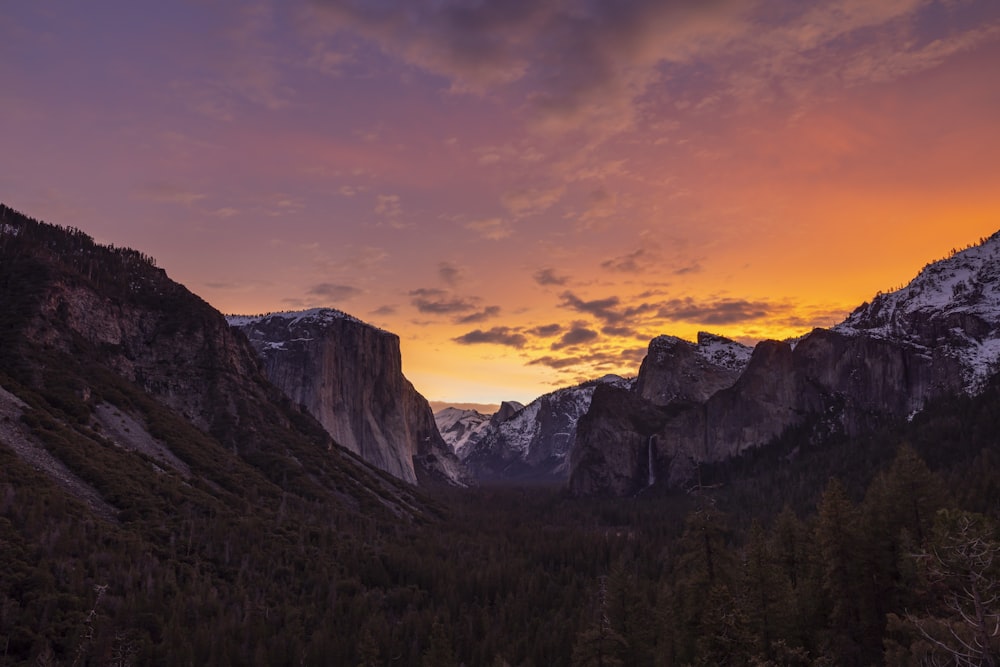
(114, 375)
(348, 375)
(938, 336)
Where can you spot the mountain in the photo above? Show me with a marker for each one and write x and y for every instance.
(676, 370)
(938, 336)
(534, 442)
(459, 427)
(116, 376)
(348, 375)
(952, 308)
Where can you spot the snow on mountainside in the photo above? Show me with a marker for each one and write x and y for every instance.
(460, 427)
(535, 441)
(312, 315)
(724, 352)
(952, 305)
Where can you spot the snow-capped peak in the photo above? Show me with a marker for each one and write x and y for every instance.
(319, 315)
(968, 282)
(952, 304)
(715, 349)
(724, 352)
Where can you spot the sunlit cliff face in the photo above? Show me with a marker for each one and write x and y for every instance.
(526, 192)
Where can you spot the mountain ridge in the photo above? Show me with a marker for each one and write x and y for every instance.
(937, 336)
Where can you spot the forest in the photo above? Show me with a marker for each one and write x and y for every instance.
(891, 561)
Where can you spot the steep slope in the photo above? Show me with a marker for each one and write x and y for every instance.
(113, 361)
(348, 374)
(951, 308)
(938, 336)
(676, 370)
(535, 441)
(460, 427)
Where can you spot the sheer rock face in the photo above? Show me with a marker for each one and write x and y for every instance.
(842, 382)
(676, 370)
(348, 375)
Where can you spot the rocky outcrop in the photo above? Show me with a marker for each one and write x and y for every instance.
(535, 442)
(129, 361)
(938, 336)
(675, 370)
(177, 347)
(348, 375)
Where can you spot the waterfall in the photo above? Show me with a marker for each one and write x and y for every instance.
(651, 479)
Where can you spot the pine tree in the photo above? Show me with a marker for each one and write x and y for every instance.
(836, 540)
(961, 622)
(439, 651)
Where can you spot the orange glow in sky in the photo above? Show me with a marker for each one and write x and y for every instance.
(525, 192)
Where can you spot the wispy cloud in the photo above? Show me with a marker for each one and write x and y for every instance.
(636, 261)
(496, 336)
(450, 273)
(721, 311)
(439, 302)
(334, 292)
(579, 334)
(546, 330)
(388, 206)
(487, 313)
(550, 277)
(604, 309)
(163, 193)
(491, 228)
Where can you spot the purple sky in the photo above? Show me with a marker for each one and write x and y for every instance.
(526, 192)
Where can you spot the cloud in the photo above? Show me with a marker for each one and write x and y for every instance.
(328, 61)
(593, 68)
(604, 309)
(546, 330)
(450, 273)
(577, 335)
(624, 332)
(438, 302)
(163, 193)
(575, 64)
(636, 261)
(601, 204)
(491, 228)
(556, 362)
(693, 267)
(529, 201)
(549, 277)
(385, 310)
(388, 206)
(496, 335)
(722, 311)
(485, 314)
(585, 364)
(334, 292)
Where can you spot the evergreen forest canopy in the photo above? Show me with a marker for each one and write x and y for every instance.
(878, 550)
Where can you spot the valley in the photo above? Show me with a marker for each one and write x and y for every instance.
(179, 487)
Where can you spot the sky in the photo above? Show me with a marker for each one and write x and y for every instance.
(525, 191)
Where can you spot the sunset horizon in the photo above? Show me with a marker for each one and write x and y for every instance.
(525, 193)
